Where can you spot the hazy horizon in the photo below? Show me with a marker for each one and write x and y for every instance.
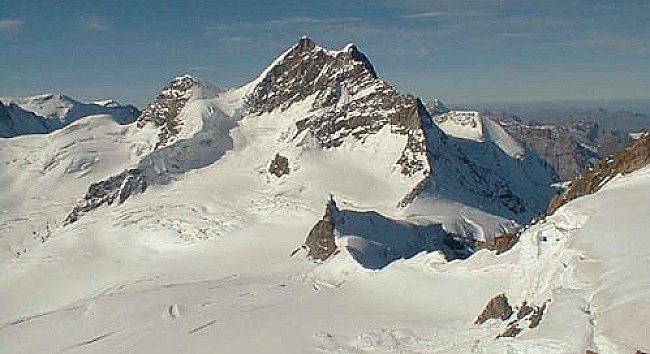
(463, 51)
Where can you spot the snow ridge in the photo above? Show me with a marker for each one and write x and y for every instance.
(45, 113)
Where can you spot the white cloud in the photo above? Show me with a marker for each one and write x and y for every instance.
(9, 23)
(95, 23)
(612, 42)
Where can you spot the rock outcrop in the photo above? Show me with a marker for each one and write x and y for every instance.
(164, 111)
(526, 316)
(320, 242)
(114, 189)
(279, 166)
(500, 243)
(497, 308)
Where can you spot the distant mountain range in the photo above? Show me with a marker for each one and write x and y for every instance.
(45, 113)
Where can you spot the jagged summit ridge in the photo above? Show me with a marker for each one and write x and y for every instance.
(347, 99)
(312, 101)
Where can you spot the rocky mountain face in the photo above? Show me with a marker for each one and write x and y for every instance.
(349, 99)
(165, 157)
(163, 112)
(114, 189)
(570, 148)
(628, 160)
(321, 241)
(327, 100)
(43, 114)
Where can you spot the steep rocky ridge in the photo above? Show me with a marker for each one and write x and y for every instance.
(181, 144)
(630, 159)
(349, 99)
(164, 112)
(332, 101)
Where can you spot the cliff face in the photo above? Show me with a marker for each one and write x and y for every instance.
(626, 161)
(320, 242)
(349, 99)
(570, 148)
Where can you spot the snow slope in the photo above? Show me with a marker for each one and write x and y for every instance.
(200, 258)
(128, 289)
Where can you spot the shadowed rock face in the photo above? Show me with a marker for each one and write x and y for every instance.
(279, 166)
(497, 308)
(511, 331)
(321, 239)
(349, 99)
(374, 240)
(626, 161)
(570, 148)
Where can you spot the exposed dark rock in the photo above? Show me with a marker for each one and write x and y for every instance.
(536, 317)
(500, 243)
(571, 147)
(320, 242)
(116, 188)
(626, 161)
(589, 351)
(335, 79)
(164, 111)
(279, 166)
(524, 310)
(497, 308)
(511, 331)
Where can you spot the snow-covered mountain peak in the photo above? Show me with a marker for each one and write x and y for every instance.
(343, 97)
(47, 112)
(165, 113)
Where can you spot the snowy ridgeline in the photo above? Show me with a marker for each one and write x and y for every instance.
(43, 114)
(184, 222)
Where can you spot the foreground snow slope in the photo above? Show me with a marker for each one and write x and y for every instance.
(107, 286)
(42, 175)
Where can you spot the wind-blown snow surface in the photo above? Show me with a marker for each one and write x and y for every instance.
(111, 287)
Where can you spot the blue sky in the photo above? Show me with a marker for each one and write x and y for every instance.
(460, 51)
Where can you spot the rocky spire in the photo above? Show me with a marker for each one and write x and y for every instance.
(348, 99)
(305, 44)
